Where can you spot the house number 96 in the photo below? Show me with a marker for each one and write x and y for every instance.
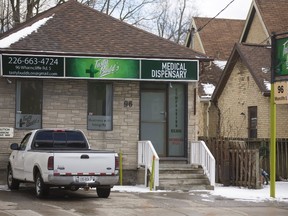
(128, 103)
(280, 89)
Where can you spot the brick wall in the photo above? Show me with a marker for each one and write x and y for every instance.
(241, 92)
(65, 106)
(192, 118)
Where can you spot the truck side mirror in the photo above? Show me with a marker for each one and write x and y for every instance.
(14, 146)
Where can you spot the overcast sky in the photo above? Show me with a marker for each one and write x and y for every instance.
(236, 10)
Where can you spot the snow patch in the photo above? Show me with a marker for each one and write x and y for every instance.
(236, 193)
(267, 84)
(208, 88)
(265, 70)
(13, 38)
(220, 64)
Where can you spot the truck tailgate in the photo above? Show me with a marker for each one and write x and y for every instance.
(85, 163)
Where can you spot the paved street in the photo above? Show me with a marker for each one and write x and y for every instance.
(67, 203)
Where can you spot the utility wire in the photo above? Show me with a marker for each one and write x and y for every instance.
(215, 16)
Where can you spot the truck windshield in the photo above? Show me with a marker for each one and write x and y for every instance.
(59, 139)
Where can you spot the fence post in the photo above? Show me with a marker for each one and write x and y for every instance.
(120, 168)
(225, 174)
(257, 167)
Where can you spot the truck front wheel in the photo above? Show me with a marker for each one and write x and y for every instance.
(42, 190)
(103, 192)
(12, 183)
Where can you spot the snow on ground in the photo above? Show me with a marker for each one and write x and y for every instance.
(254, 195)
(236, 193)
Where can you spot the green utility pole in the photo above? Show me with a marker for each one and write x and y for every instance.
(272, 122)
(272, 142)
(279, 77)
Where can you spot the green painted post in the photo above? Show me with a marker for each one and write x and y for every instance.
(120, 169)
(272, 143)
(152, 174)
(272, 120)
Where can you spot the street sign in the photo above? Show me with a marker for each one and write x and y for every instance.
(281, 57)
(281, 92)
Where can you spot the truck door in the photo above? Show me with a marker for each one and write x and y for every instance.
(19, 162)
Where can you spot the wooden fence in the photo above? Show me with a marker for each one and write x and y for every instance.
(244, 168)
(238, 161)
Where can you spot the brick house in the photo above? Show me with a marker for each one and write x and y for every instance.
(74, 67)
(242, 96)
(215, 38)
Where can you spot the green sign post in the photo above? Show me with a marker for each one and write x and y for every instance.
(279, 70)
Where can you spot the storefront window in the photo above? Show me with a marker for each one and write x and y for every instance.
(29, 104)
(99, 106)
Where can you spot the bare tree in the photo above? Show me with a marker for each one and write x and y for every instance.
(5, 16)
(167, 18)
(31, 5)
(175, 18)
(13, 12)
(15, 5)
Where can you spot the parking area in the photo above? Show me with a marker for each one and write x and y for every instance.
(168, 203)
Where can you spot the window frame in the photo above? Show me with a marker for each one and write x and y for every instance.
(111, 102)
(252, 115)
(18, 99)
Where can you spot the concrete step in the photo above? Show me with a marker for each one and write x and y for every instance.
(186, 187)
(180, 182)
(182, 177)
(178, 171)
(176, 165)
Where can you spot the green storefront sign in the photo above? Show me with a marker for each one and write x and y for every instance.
(281, 57)
(102, 68)
(169, 70)
(98, 68)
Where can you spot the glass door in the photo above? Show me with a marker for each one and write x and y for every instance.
(153, 119)
(163, 117)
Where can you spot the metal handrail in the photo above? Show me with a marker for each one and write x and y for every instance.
(200, 154)
(148, 157)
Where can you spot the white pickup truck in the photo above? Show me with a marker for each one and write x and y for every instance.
(61, 158)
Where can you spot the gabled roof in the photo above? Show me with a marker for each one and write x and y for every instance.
(257, 58)
(73, 28)
(219, 36)
(209, 79)
(273, 15)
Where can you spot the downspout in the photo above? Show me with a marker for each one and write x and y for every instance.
(219, 118)
(208, 119)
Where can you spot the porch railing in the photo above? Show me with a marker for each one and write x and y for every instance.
(148, 157)
(200, 154)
